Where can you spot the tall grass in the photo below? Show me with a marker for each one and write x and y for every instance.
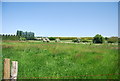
(37, 59)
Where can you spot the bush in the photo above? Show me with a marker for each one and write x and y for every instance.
(52, 38)
(22, 38)
(76, 40)
(118, 40)
(113, 40)
(106, 38)
(98, 39)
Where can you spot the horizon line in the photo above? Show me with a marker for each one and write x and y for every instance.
(61, 36)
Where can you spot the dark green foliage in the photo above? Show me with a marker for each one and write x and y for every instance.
(113, 40)
(52, 38)
(76, 40)
(10, 37)
(118, 40)
(106, 38)
(98, 39)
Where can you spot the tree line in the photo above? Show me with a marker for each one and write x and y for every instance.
(100, 39)
(20, 35)
(9, 37)
(96, 39)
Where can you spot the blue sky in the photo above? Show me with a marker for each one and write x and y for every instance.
(79, 19)
(0, 17)
(60, 0)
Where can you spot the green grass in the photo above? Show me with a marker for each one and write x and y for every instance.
(38, 59)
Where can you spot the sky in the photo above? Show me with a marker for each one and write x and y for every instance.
(0, 17)
(60, 0)
(73, 19)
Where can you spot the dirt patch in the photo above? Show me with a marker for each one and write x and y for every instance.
(10, 41)
(115, 48)
(7, 46)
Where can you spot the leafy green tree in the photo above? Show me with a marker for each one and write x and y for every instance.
(98, 39)
(106, 38)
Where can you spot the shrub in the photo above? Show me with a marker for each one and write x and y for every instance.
(22, 38)
(52, 38)
(106, 38)
(76, 40)
(98, 39)
(113, 40)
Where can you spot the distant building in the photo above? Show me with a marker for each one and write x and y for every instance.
(27, 35)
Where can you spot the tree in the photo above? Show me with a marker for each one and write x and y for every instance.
(106, 38)
(118, 40)
(98, 39)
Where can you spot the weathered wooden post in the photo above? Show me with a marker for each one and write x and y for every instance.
(6, 68)
(14, 70)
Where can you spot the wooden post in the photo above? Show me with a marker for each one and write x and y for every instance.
(6, 68)
(14, 70)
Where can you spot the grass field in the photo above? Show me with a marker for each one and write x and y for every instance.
(38, 59)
